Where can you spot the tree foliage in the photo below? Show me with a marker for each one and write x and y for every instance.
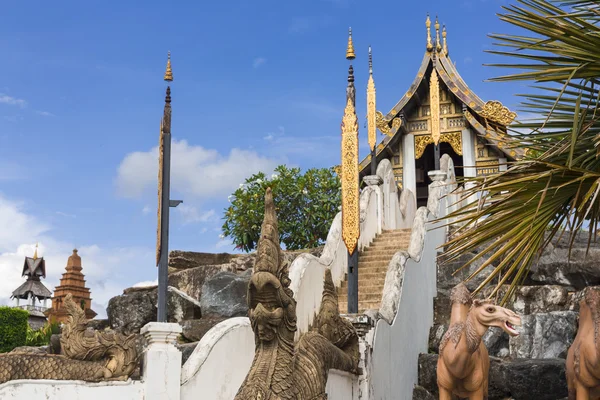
(555, 189)
(306, 205)
(13, 328)
(41, 337)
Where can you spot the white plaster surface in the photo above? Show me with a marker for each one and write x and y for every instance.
(162, 361)
(409, 179)
(71, 390)
(220, 362)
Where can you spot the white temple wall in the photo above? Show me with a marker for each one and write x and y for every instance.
(71, 390)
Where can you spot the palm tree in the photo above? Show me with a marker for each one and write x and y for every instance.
(555, 189)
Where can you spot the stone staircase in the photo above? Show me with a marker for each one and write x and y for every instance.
(372, 268)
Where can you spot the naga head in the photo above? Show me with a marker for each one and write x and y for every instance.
(488, 314)
(271, 305)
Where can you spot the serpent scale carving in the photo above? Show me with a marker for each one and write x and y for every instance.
(282, 369)
(88, 355)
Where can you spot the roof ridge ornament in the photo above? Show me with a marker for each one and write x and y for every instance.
(428, 25)
(350, 49)
(371, 107)
(445, 44)
(169, 72)
(437, 35)
(35, 255)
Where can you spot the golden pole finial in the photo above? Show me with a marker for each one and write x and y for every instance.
(169, 72)
(438, 44)
(428, 25)
(350, 50)
(371, 107)
(35, 256)
(444, 39)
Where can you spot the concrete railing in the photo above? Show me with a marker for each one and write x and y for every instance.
(406, 313)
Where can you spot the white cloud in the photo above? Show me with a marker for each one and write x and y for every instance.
(13, 101)
(301, 25)
(202, 173)
(190, 214)
(259, 61)
(63, 214)
(146, 210)
(107, 270)
(45, 114)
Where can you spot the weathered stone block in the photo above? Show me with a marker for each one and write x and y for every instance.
(195, 329)
(191, 280)
(420, 393)
(545, 335)
(186, 350)
(225, 295)
(448, 275)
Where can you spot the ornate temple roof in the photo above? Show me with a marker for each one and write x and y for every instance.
(34, 268)
(488, 119)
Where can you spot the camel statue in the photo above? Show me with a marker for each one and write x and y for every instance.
(463, 365)
(583, 358)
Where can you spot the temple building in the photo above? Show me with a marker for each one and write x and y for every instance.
(33, 292)
(72, 282)
(439, 115)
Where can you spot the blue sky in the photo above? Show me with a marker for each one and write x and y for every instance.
(256, 84)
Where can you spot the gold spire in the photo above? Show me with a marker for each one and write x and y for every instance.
(350, 50)
(428, 25)
(438, 45)
(35, 256)
(444, 39)
(168, 73)
(371, 108)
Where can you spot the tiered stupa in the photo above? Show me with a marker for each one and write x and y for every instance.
(72, 282)
(32, 291)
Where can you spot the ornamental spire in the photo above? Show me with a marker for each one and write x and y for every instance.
(371, 107)
(444, 40)
(169, 72)
(428, 25)
(438, 44)
(350, 49)
(35, 256)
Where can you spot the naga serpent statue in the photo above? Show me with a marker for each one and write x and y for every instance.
(282, 369)
(464, 363)
(87, 355)
(583, 357)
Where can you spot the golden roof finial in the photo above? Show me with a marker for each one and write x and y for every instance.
(428, 25)
(169, 72)
(371, 106)
(438, 44)
(370, 61)
(35, 256)
(444, 39)
(350, 50)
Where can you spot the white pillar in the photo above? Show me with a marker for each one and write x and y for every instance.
(468, 150)
(162, 361)
(409, 180)
(502, 164)
(17, 301)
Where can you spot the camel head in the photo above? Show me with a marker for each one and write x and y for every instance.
(488, 314)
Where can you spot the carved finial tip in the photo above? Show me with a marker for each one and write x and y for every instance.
(350, 55)
(169, 72)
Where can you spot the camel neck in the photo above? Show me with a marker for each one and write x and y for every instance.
(474, 331)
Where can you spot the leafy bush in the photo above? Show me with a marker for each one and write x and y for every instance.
(41, 337)
(13, 328)
(305, 204)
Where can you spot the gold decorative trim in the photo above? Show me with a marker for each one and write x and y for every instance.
(434, 100)
(428, 25)
(349, 178)
(453, 139)
(383, 124)
(371, 113)
(496, 112)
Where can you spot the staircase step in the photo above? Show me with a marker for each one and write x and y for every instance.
(375, 257)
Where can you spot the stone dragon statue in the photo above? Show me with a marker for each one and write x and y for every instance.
(282, 369)
(463, 364)
(87, 355)
(583, 357)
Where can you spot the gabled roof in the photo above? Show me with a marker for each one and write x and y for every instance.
(488, 119)
(34, 267)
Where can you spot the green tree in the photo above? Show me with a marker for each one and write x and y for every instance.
(555, 189)
(305, 203)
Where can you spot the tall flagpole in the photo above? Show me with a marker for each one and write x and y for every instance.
(164, 199)
(350, 183)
